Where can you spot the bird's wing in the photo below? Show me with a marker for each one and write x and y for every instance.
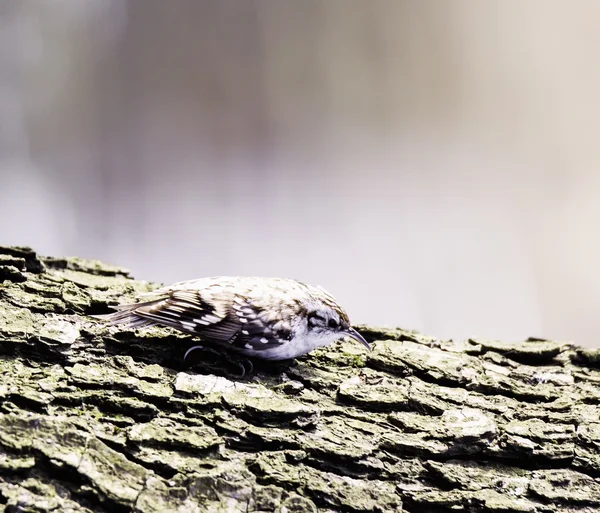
(236, 322)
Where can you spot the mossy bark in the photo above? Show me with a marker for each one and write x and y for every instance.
(99, 418)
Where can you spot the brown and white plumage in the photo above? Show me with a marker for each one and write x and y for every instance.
(269, 318)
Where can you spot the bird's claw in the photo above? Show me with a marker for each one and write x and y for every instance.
(246, 366)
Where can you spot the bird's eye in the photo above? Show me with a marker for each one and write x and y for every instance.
(333, 324)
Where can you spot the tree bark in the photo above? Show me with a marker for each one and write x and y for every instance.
(111, 419)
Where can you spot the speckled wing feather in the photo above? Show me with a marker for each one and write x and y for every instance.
(260, 327)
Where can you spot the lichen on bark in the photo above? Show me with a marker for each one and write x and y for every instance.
(100, 418)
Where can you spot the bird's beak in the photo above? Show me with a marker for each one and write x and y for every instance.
(352, 333)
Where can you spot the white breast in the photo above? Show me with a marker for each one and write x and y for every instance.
(297, 346)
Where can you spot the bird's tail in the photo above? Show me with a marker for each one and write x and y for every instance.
(127, 315)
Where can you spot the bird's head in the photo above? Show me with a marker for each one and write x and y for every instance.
(329, 322)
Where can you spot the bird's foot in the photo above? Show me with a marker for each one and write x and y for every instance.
(243, 364)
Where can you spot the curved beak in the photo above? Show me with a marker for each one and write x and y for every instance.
(352, 333)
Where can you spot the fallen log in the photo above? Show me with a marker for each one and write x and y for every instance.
(111, 419)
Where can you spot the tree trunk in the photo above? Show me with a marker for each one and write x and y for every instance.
(111, 419)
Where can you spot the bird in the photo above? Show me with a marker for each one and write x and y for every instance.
(264, 318)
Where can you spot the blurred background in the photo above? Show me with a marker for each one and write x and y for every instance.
(432, 164)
